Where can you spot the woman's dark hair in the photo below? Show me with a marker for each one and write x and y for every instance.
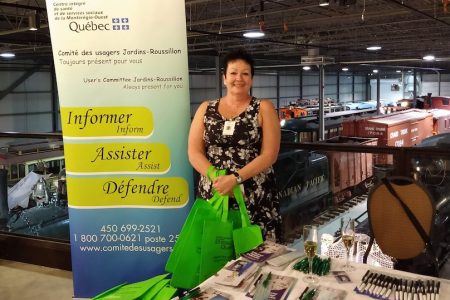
(235, 55)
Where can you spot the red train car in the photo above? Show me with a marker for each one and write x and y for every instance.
(441, 102)
(406, 128)
(441, 120)
(292, 112)
(348, 170)
(403, 129)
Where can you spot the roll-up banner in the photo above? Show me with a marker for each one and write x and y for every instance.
(122, 75)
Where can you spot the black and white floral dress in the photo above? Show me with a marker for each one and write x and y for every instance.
(233, 152)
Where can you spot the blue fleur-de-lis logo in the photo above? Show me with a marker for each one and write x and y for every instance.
(121, 23)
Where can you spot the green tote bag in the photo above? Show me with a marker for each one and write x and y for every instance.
(186, 269)
(136, 290)
(249, 236)
(217, 244)
(183, 239)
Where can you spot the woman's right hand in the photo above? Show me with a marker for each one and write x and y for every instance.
(224, 184)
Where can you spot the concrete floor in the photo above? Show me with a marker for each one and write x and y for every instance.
(19, 281)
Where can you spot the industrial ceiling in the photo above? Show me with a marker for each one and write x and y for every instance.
(407, 30)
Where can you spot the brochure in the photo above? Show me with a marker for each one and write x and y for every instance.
(280, 286)
(282, 261)
(265, 251)
(211, 293)
(233, 273)
(328, 293)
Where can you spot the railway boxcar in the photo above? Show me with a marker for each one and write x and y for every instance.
(308, 127)
(441, 120)
(349, 170)
(441, 102)
(406, 128)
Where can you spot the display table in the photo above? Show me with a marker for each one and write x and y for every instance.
(330, 281)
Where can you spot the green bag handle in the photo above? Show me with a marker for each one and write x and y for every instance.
(225, 208)
(219, 202)
(216, 201)
(166, 293)
(242, 208)
(216, 196)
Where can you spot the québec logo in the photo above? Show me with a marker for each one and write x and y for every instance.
(117, 24)
(121, 24)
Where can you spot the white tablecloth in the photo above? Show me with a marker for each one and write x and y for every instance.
(330, 281)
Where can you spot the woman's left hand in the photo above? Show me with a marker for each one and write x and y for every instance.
(224, 184)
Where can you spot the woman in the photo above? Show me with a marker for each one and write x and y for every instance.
(241, 134)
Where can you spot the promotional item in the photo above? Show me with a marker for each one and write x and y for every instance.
(121, 69)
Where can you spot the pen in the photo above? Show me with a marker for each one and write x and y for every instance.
(364, 281)
(405, 289)
(258, 279)
(438, 285)
(310, 294)
(375, 284)
(428, 290)
(379, 286)
(397, 289)
(410, 290)
(289, 292)
(433, 290)
(425, 290)
(421, 290)
(370, 284)
(401, 289)
(303, 293)
(191, 293)
(415, 291)
(267, 280)
(390, 288)
(385, 286)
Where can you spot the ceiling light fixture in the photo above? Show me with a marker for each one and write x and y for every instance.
(398, 71)
(375, 71)
(256, 33)
(429, 58)
(306, 68)
(345, 69)
(34, 21)
(253, 34)
(324, 2)
(7, 54)
(373, 48)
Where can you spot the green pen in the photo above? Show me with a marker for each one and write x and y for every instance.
(309, 295)
(267, 280)
(303, 293)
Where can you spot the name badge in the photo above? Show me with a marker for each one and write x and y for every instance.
(228, 128)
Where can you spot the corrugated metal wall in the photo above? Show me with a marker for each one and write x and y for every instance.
(28, 107)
